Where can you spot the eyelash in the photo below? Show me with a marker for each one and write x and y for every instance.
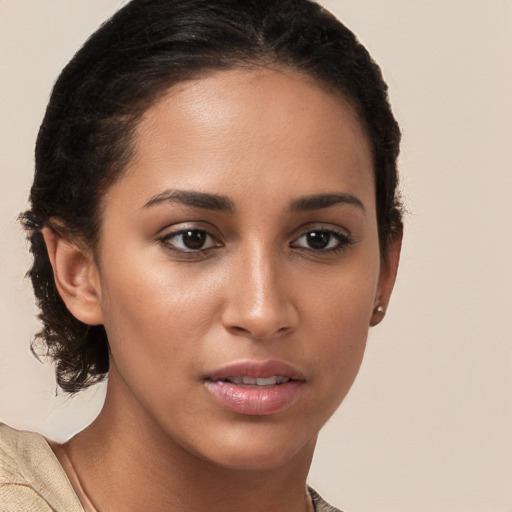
(324, 235)
(187, 250)
(342, 240)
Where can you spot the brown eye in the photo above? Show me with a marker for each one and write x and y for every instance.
(190, 240)
(318, 239)
(322, 240)
(194, 239)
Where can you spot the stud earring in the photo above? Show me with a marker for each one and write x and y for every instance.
(378, 314)
(379, 310)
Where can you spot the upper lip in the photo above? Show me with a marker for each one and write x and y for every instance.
(257, 369)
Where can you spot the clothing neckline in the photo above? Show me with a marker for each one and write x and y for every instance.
(62, 457)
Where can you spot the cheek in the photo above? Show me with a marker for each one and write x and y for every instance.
(339, 345)
(156, 314)
(340, 337)
(343, 298)
(340, 312)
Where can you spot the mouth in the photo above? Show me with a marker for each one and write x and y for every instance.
(275, 380)
(256, 388)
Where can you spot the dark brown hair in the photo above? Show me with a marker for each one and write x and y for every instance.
(85, 140)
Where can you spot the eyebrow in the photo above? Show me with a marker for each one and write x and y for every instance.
(195, 199)
(319, 201)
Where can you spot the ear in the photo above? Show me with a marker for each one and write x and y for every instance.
(387, 277)
(76, 277)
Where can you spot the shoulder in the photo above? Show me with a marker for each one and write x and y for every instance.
(31, 477)
(319, 504)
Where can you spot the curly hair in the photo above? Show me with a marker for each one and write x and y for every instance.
(86, 137)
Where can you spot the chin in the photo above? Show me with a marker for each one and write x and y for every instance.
(261, 453)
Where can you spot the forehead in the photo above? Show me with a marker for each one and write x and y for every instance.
(251, 128)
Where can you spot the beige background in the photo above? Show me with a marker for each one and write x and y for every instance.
(428, 424)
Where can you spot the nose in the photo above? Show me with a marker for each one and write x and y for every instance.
(260, 300)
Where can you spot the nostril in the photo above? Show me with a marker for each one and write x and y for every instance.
(245, 332)
(257, 332)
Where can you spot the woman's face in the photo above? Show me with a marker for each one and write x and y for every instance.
(238, 266)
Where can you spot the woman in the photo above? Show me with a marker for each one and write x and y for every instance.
(215, 223)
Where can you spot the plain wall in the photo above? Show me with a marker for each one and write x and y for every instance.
(428, 423)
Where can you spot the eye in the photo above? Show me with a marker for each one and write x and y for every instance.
(190, 240)
(322, 240)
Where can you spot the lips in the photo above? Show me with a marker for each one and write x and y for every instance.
(256, 388)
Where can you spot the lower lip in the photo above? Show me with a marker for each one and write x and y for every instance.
(254, 400)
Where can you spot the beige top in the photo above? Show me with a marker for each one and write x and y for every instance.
(32, 479)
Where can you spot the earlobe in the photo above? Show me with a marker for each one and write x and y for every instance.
(76, 277)
(378, 313)
(388, 271)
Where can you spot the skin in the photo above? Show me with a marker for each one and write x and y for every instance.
(263, 139)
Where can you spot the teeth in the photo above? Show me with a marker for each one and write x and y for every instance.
(252, 381)
(271, 381)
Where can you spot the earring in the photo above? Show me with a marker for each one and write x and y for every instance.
(379, 310)
(378, 314)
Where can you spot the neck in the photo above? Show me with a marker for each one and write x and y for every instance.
(126, 462)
